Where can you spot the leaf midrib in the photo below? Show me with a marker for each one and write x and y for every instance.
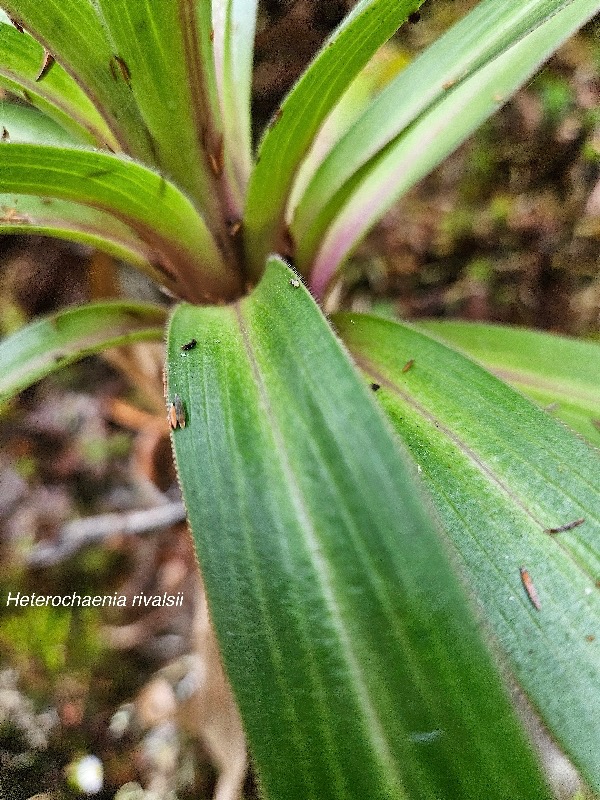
(486, 471)
(321, 570)
(570, 391)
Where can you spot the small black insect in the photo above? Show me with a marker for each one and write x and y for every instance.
(189, 345)
(376, 387)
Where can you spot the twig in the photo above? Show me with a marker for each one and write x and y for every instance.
(81, 532)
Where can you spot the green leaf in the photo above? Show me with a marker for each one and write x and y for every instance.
(43, 215)
(560, 374)
(206, 54)
(58, 218)
(474, 41)
(234, 23)
(48, 344)
(350, 647)
(57, 94)
(142, 200)
(387, 62)
(332, 222)
(21, 123)
(292, 129)
(502, 473)
(73, 33)
(158, 48)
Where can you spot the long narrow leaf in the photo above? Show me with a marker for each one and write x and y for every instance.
(48, 344)
(158, 49)
(348, 641)
(60, 218)
(147, 203)
(504, 475)
(560, 374)
(288, 137)
(20, 123)
(209, 123)
(234, 23)
(64, 220)
(478, 38)
(387, 62)
(206, 35)
(370, 192)
(57, 94)
(72, 31)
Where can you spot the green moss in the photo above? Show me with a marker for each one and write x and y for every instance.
(480, 270)
(499, 208)
(555, 94)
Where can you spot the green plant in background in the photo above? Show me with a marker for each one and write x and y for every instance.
(351, 645)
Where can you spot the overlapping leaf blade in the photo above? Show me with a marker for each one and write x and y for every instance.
(21, 213)
(290, 133)
(57, 95)
(478, 38)
(158, 47)
(63, 220)
(559, 373)
(502, 472)
(141, 199)
(348, 642)
(48, 344)
(387, 62)
(326, 239)
(20, 123)
(234, 23)
(72, 31)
